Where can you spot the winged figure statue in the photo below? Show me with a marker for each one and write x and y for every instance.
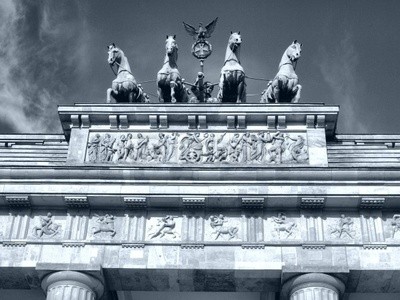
(202, 32)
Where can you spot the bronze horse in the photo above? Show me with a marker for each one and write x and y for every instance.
(285, 87)
(232, 85)
(124, 88)
(169, 82)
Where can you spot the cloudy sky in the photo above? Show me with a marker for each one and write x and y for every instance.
(54, 52)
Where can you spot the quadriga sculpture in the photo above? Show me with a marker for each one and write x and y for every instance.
(285, 87)
(169, 81)
(232, 86)
(124, 88)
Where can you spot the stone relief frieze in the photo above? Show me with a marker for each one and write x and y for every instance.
(343, 228)
(104, 224)
(163, 228)
(221, 229)
(395, 223)
(198, 147)
(283, 228)
(47, 227)
(287, 227)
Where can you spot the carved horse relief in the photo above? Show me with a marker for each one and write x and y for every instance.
(169, 81)
(124, 88)
(232, 86)
(285, 87)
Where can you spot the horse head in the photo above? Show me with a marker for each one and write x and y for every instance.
(171, 47)
(293, 52)
(235, 40)
(114, 54)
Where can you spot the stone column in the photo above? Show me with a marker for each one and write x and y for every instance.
(66, 285)
(313, 286)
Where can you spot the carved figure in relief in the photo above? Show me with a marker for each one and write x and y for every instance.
(217, 223)
(210, 149)
(106, 148)
(105, 224)
(159, 150)
(169, 81)
(283, 225)
(93, 148)
(191, 148)
(128, 147)
(285, 87)
(166, 225)
(395, 225)
(222, 149)
(345, 225)
(232, 85)
(235, 148)
(171, 143)
(47, 227)
(277, 147)
(259, 149)
(247, 145)
(140, 147)
(119, 148)
(297, 148)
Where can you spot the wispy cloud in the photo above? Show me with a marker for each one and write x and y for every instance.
(41, 47)
(338, 67)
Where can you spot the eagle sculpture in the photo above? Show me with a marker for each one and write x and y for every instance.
(203, 32)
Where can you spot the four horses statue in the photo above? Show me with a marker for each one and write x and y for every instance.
(124, 88)
(171, 88)
(232, 86)
(285, 87)
(169, 82)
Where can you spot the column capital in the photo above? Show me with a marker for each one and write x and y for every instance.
(311, 280)
(73, 278)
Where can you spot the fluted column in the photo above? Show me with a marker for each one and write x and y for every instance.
(66, 285)
(313, 286)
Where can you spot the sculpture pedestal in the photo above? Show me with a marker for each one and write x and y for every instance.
(313, 286)
(67, 285)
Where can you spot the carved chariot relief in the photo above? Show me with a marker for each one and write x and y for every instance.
(46, 227)
(164, 228)
(263, 148)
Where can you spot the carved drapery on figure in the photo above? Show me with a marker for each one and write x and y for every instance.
(264, 148)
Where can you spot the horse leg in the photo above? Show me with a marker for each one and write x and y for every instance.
(109, 91)
(297, 96)
(220, 95)
(173, 85)
(241, 98)
(277, 90)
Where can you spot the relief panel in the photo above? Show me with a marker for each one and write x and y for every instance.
(163, 227)
(223, 228)
(342, 228)
(263, 148)
(279, 226)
